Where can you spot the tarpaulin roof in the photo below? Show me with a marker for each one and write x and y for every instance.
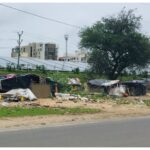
(97, 82)
(109, 83)
(19, 81)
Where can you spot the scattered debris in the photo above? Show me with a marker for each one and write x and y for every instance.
(63, 96)
(5, 104)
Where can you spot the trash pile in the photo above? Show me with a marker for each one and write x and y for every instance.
(63, 96)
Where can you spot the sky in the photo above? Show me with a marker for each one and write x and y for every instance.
(39, 30)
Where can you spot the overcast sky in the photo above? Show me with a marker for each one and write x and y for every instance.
(39, 30)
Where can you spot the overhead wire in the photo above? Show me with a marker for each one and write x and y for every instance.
(40, 16)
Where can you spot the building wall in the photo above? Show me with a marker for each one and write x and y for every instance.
(79, 56)
(51, 51)
(24, 51)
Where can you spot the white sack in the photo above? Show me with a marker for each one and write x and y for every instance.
(27, 93)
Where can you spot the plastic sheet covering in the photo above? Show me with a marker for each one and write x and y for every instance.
(74, 81)
(117, 91)
(110, 83)
(97, 82)
(27, 93)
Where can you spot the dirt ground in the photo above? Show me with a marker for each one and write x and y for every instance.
(109, 109)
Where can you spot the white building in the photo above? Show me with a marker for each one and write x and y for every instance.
(78, 56)
(37, 50)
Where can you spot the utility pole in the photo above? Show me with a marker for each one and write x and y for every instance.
(66, 38)
(19, 44)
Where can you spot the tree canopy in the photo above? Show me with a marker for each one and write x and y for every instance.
(116, 43)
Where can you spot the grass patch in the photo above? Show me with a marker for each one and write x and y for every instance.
(147, 102)
(122, 101)
(19, 111)
(98, 96)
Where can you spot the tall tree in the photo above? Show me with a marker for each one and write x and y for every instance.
(116, 43)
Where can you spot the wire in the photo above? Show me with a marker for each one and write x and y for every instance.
(5, 47)
(7, 39)
(36, 15)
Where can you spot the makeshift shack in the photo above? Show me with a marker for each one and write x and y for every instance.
(18, 81)
(110, 87)
(35, 83)
(135, 87)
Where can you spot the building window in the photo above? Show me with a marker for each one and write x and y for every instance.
(31, 51)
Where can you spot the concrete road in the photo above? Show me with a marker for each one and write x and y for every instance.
(109, 133)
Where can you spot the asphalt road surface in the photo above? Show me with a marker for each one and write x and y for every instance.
(131, 132)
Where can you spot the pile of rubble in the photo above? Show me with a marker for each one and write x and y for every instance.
(63, 96)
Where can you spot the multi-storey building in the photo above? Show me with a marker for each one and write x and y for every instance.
(37, 50)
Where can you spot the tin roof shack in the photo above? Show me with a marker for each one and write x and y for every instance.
(136, 87)
(110, 87)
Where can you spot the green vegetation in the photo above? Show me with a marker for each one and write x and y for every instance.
(122, 101)
(114, 42)
(147, 102)
(62, 77)
(96, 96)
(99, 96)
(35, 111)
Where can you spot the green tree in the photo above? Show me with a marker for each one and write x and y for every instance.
(116, 43)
